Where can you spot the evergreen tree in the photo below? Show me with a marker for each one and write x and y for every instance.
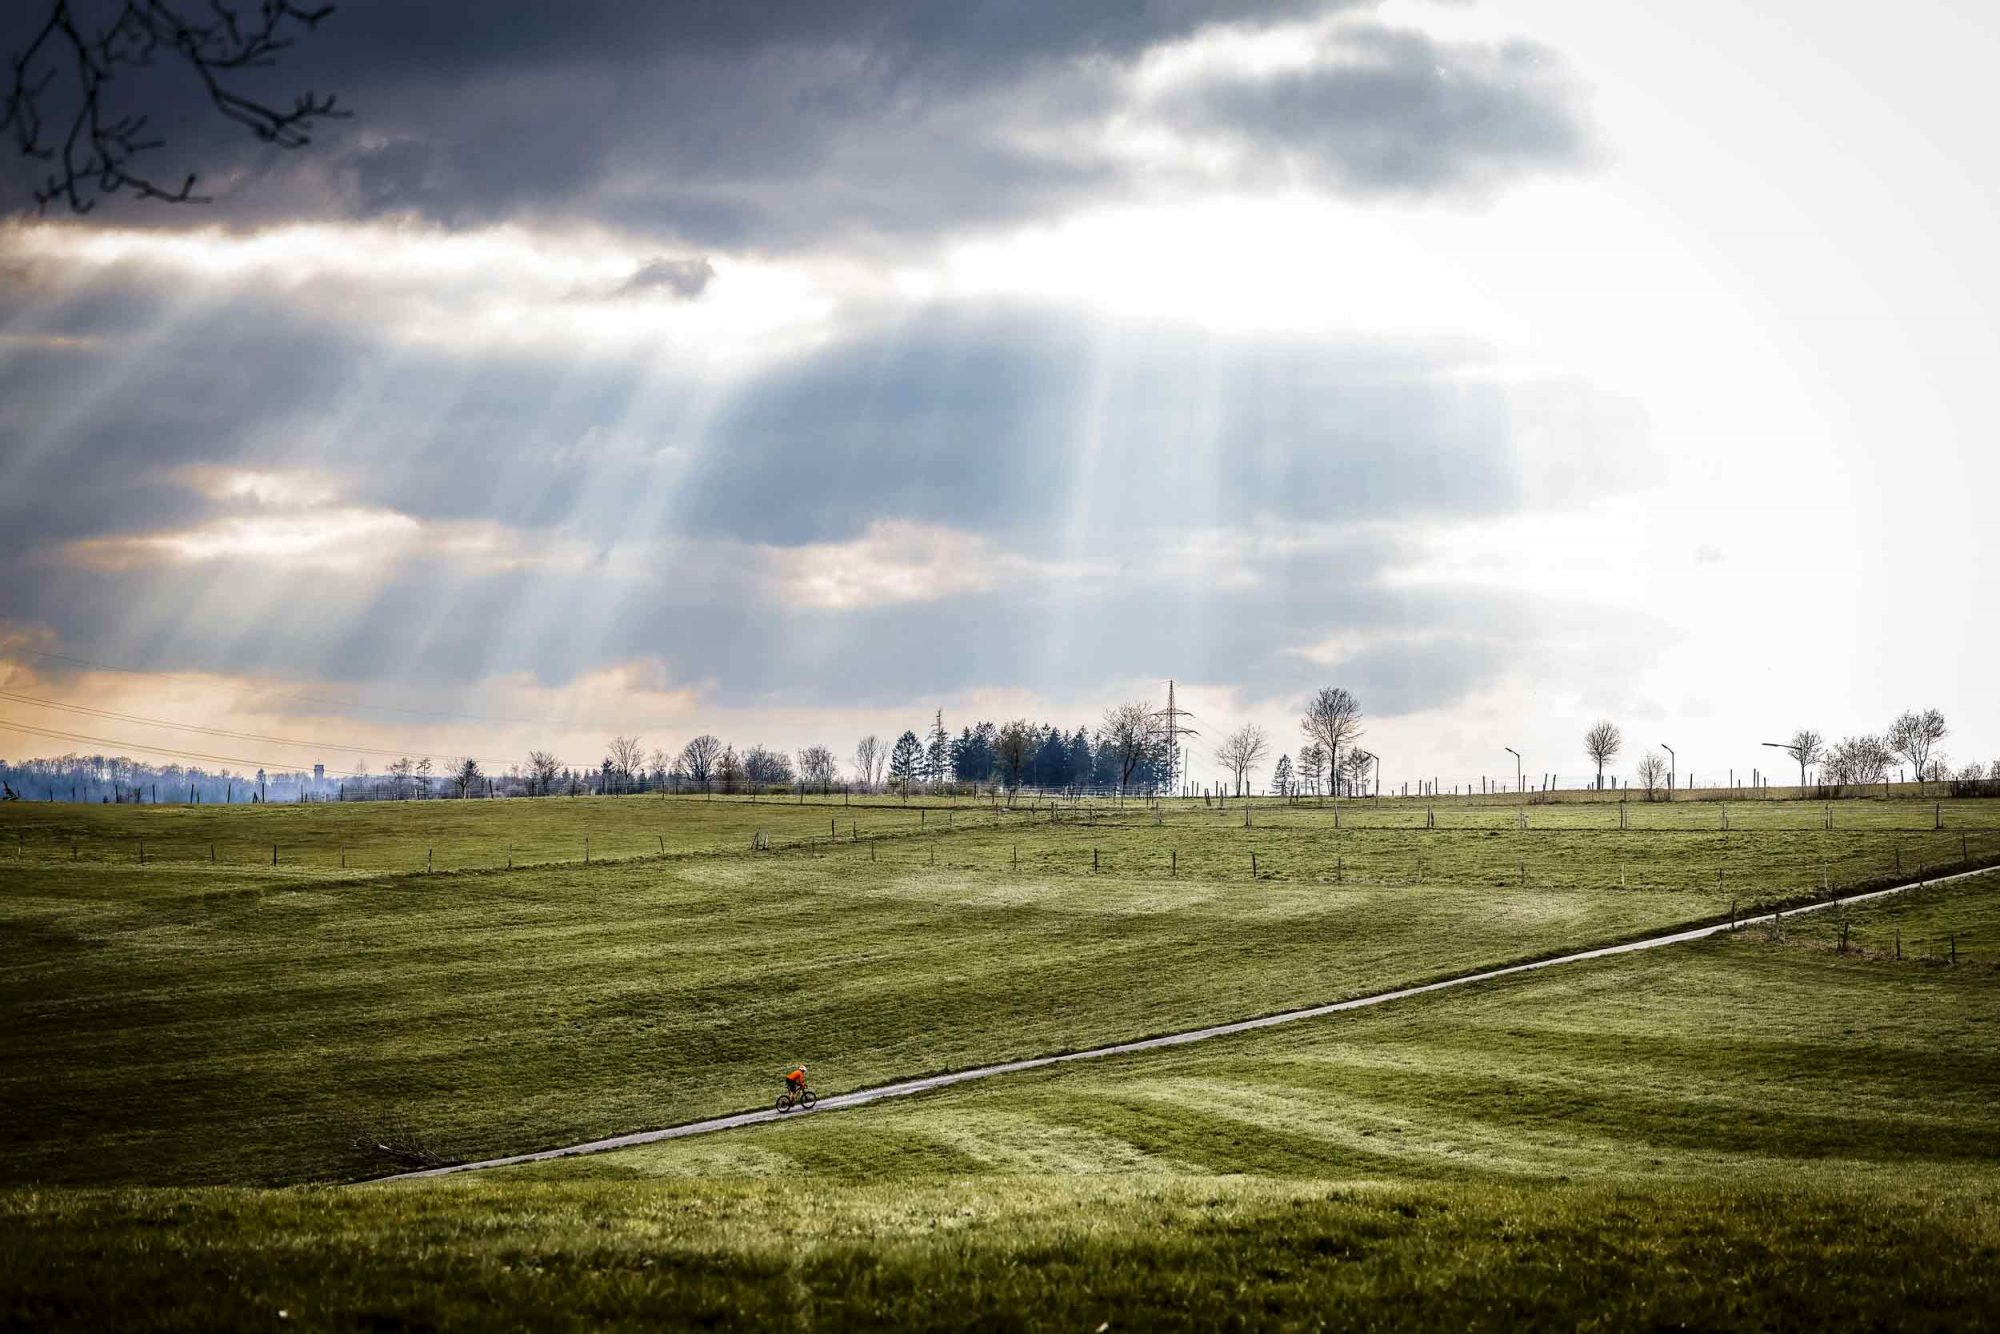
(1081, 760)
(1281, 777)
(1050, 767)
(906, 761)
(972, 755)
(937, 752)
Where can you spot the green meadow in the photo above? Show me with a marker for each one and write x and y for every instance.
(1785, 1125)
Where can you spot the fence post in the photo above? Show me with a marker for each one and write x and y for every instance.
(1340, 870)
(427, 859)
(142, 852)
(274, 854)
(1253, 866)
(1093, 860)
(1173, 863)
(586, 849)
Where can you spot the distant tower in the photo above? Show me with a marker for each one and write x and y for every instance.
(1176, 733)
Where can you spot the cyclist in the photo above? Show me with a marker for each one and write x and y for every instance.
(795, 1082)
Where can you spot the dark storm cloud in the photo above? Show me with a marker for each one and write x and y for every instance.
(766, 126)
(1402, 113)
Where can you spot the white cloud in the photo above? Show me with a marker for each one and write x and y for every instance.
(896, 563)
(491, 290)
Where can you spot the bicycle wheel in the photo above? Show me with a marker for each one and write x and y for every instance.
(784, 1103)
(807, 1099)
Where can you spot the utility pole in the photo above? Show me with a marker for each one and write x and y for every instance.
(1673, 766)
(1517, 773)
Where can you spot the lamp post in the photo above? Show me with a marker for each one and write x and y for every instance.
(1673, 767)
(1779, 745)
(1517, 773)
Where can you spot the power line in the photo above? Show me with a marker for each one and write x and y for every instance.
(313, 699)
(59, 735)
(115, 716)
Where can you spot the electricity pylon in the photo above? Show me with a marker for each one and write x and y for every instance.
(1176, 733)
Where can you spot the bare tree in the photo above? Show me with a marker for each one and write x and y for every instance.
(699, 759)
(1807, 747)
(767, 768)
(729, 770)
(816, 768)
(1912, 737)
(1305, 774)
(1602, 743)
(59, 101)
(627, 758)
(1332, 720)
(466, 775)
(543, 770)
(1134, 734)
(658, 765)
(1652, 773)
(1357, 765)
(1241, 751)
(1856, 759)
(868, 757)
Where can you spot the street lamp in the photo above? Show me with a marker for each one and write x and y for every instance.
(1779, 745)
(1517, 771)
(1673, 766)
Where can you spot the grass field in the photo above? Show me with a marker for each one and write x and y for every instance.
(1761, 1129)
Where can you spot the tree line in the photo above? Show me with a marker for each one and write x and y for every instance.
(1135, 749)
(1911, 740)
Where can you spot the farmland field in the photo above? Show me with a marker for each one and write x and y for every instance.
(188, 1044)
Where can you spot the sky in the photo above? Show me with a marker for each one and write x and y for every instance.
(795, 371)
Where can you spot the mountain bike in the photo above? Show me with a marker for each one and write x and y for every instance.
(803, 1099)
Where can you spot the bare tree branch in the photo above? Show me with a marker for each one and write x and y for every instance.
(92, 155)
